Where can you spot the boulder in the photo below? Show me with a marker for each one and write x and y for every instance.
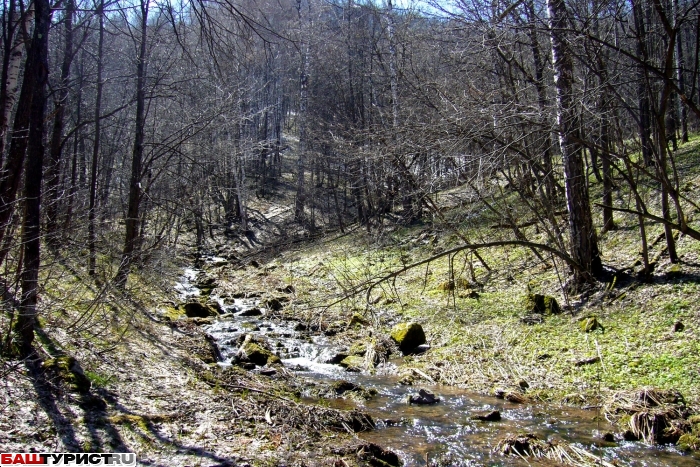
(424, 397)
(408, 336)
(255, 352)
(542, 304)
(275, 303)
(353, 363)
(199, 310)
(255, 311)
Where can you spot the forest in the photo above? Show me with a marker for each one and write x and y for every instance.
(479, 150)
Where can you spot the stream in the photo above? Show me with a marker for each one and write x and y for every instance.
(421, 433)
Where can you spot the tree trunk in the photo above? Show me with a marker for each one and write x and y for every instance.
(304, 20)
(132, 215)
(53, 173)
(642, 89)
(96, 146)
(14, 36)
(682, 111)
(584, 242)
(38, 64)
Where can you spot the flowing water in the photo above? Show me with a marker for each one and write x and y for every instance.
(421, 433)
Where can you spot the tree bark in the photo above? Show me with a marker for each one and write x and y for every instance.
(584, 242)
(132, 215)
(14, 40)
(54, 169)
(95, 146)
(38, 56)
(304, 20)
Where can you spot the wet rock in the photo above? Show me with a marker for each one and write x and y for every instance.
(541, 304)
(334, 328)
(378, 456)
(353, 363)
(275, 303)
(216, 306)
(359, 349)
(268, 372)
(337, 358)
(408, 336)
(255, 311)
(424, 397)
(341, 386)
(69, 370)
(199, 310)
(509, 395)
(255, 352)
(492, 416)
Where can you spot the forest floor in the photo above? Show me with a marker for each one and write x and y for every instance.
(156, 389)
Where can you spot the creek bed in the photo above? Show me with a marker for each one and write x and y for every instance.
(422, 433)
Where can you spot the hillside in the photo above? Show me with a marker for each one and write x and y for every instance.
(157, 390)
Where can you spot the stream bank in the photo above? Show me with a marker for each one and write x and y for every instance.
(449, 431)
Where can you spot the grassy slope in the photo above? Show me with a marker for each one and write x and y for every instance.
(480, 343)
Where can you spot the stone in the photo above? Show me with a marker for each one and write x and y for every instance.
(199, 310)
(255, 311)
(542, 304)
(275, 304)
(341, 386)
(408, 336)
(254, 352)
(424, 397)
(337, 358)
(590, 324)
(492, 416)
(353, 363)
(216, 306)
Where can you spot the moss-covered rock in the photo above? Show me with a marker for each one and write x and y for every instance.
(541, 304)
(199, 310)
(358, 348)
(353, 363)
(590, 324)
(68, 369)
(689, 442)
(254, 352)
(408, 336)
